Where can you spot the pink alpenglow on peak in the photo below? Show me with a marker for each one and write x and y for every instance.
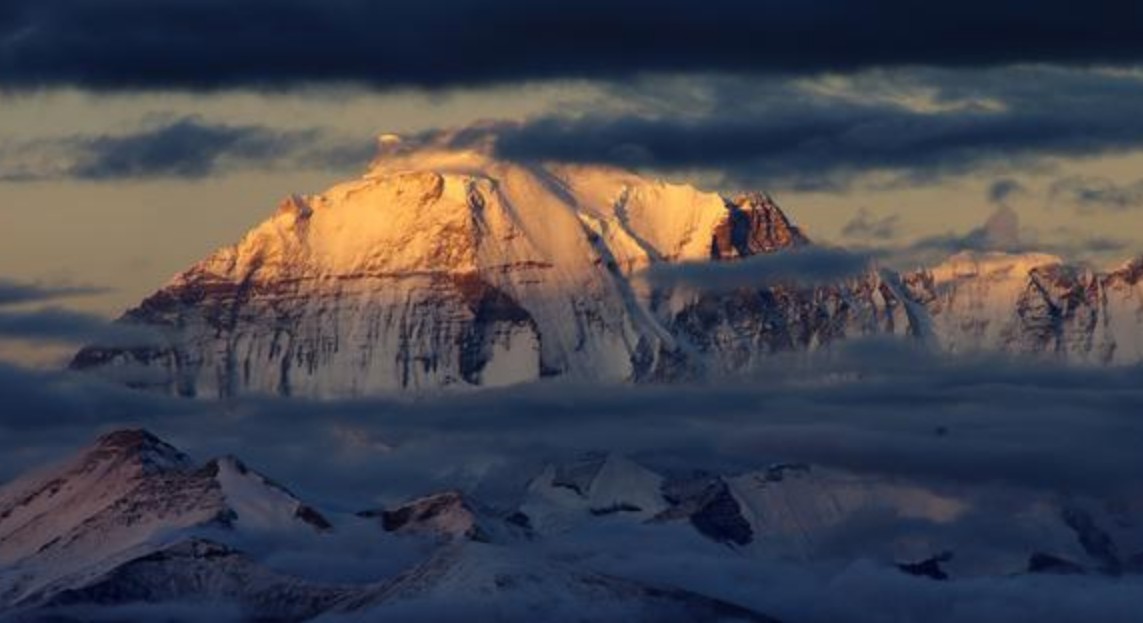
(445, 267)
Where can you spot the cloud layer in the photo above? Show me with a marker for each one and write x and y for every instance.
(187, 147)
(909, 126)
(19, 292)
(810, 266)
(1087, 194)
(207, 44)
(994, 432)
(917, 125)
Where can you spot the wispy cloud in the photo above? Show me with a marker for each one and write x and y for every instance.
(18, 292)
(62, 325)
(187, 147)
(1090, 194)
(808, 266)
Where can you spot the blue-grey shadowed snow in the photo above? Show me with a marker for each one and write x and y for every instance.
(985, 429)
(805, 266)
(1092, 195)
(188, 148)
(274, 44)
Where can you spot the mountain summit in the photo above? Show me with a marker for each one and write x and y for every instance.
(447, 267)
(443, 267)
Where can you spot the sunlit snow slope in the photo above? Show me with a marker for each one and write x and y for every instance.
(444, 267)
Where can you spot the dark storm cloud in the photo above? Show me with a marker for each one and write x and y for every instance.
(916, 126)
(180, 148)
(812, 265)
(202, 44)
(17, 292)
(1087, 194)
(788, 134)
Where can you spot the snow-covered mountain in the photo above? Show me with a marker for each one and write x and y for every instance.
(132, 522)
(127, 497)
(807, 513)
(444, 267)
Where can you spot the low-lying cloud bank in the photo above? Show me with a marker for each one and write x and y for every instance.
(808, 267)
(24, 316)
(986, 430)
(874, 406)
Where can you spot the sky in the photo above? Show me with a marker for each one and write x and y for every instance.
(136, 137)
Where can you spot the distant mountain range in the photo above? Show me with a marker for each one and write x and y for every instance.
(444, 267)
(132, 521)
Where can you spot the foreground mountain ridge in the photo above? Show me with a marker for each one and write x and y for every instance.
(443, 267)
(131, 521)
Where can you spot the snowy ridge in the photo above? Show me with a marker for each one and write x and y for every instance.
(127, 495)
(449, 268)
(162, 531)
(131, 521)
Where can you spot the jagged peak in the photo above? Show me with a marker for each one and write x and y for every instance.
(140, 445)
(968, 264)
(754, 199)
(127, 438)
(755, 224)
(448, 514)
(1132, 269)
(253, 495)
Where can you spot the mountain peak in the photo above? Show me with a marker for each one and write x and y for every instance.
(446, 266)
(127, 438)
(755, 224)
(137, 444)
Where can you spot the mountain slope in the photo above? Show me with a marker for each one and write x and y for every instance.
(128, 495)
(449, 268)
(131, 523)
(481, 582)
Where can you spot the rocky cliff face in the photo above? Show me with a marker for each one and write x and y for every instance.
(445, 268)
(1034, 304)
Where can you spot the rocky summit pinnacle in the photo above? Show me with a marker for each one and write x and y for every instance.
(447, 267)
